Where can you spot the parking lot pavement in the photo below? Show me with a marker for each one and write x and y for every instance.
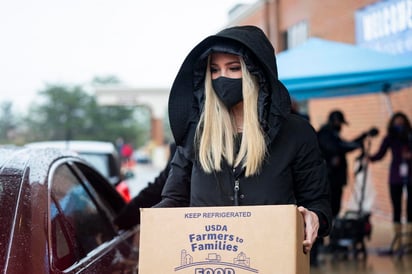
(374, 263)
(143, 174)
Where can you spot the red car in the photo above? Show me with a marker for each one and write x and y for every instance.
(57, 216)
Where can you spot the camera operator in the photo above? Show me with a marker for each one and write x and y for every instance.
(334, 150)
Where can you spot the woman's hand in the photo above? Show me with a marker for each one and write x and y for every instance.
(311, 227)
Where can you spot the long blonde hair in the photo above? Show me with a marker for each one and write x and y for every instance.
(216, 130)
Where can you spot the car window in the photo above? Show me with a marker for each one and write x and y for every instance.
(63, 240)
(78, 225)
(106, 164)
(99, 161)
(106, 195)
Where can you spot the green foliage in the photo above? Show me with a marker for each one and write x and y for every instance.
(71, 113)
(62, 115)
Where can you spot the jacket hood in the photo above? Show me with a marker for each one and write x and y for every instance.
(250, 42)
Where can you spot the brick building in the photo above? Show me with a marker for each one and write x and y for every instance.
(290, 22)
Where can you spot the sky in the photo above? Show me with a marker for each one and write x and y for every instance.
(142, 42)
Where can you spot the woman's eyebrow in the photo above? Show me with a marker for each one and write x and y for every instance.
(227, 63)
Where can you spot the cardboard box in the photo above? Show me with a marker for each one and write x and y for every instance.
(222, 240)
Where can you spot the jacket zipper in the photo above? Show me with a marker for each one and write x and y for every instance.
(236, 193)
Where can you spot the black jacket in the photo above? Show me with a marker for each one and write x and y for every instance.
(293, 172)
(334, 150)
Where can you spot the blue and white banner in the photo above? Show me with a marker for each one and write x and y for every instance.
(385, 26)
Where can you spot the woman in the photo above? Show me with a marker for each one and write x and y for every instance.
(399, 141)
(237, 142)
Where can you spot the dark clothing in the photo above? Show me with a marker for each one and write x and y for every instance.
(397, 182)
(396, 146)
(334, 151)
(293, 171)
(336, 192)
(396, 191)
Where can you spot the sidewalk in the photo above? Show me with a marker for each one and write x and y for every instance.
(374, 264)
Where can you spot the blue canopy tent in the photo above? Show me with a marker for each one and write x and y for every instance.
(321, 68)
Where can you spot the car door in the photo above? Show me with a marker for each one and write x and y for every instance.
(83, 238)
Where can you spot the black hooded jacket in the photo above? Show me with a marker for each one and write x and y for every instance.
(293, 171)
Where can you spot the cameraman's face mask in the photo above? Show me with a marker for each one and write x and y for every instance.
(337, 126)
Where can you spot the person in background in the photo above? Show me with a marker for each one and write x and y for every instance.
(126, 153)
(399, 141)
(148, 197)
(119, 143)
(334, 150)
(237, 142)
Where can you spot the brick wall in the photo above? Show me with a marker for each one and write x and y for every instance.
(362, 112)
(335, 20)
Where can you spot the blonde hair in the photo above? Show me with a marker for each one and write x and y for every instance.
(216, 130)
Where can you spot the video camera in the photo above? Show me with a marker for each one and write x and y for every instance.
(372, 132)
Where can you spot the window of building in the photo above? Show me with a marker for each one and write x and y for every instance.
(296, 35)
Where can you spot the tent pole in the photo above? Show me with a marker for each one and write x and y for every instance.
(388, 102)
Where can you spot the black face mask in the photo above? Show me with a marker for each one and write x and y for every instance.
(228, 90)
(337, 128)
(398, 128)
